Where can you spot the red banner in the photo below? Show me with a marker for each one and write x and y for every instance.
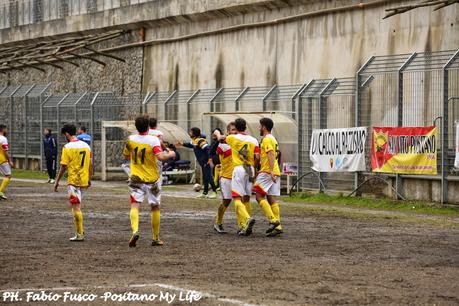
(404, 150)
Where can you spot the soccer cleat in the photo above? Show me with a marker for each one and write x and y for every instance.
(212, 195)
(51, 181)
(202, 196)
(3, 196)
(240, 232)
(274, 233)
(77, 238)
(157, 242)
(219, 228)
(272, 226)
(133, 240)
(249, 228)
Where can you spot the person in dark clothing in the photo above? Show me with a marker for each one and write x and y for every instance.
(201, 150)
(214, 159)
(171, 163)
(50, 150)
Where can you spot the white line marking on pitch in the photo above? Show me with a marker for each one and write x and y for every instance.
(164, 286)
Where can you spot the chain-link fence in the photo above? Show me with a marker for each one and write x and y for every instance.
(416, 89)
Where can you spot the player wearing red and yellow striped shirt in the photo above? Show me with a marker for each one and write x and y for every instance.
(5, 162)
(245, 152)
(76, 160)
(144, 151)
(267, 184)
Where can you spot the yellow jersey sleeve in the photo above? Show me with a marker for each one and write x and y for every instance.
(65, 159)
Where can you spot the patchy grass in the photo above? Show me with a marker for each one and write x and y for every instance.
(29, 174)
(375, 203)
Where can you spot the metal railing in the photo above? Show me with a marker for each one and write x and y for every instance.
(401, 90)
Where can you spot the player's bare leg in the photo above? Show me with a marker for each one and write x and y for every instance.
(134, 216)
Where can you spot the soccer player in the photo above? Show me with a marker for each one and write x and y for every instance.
(5, 162)
(245, 152)
(226, 173)
(76, 159)
(267, 184)
(201, 151)
(144, 151)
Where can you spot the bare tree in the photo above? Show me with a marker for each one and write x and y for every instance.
(438, 4)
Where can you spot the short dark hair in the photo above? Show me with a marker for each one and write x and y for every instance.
(195, 131)
(2, 127)
(240, 124)
(83, 128)
(142, 124)
(153, 123)
(48, 129)
(217, 129)
(69, 128)
(267, 123)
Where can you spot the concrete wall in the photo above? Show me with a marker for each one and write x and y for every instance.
(318, 47)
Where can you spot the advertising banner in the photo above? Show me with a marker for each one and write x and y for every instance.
(404, 150)
(338, 150)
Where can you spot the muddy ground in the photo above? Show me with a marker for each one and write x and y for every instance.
(321, 259)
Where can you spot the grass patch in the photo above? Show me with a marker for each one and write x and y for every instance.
(29, 174)
(374, 203)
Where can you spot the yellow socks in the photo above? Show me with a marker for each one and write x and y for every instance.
(276, 211)
(248, 207)
(78, 219)
(241, 213)
(4, 184)
(267, 210)
(155, 221)
(221, 211)
(134, 215)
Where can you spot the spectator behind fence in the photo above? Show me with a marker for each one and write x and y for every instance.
(50, 151)
(83, 136)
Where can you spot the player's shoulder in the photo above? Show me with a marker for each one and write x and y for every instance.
(269, 138)
(3, 139)
(224, 147)
(78, 144)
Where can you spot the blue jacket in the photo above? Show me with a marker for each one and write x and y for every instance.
(50, 146)
(200, 148)
(85, 137)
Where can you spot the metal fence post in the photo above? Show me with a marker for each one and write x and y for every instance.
(444, 128)
(212, 105)
(238, 98)
(11, 119)
(92, 123)
(188, 110)
(26, 133)
(75, 106)
(145, 102)
(398, 179)
(267, 96)
(358, 114)
(165, 104)
(296, 100)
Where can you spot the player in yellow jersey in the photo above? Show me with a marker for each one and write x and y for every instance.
(5, 161)
(267, 185)
(245, 152)
(144, 151)
(226, 174)
(76, 160)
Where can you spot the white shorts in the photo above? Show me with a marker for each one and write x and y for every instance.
(75, 194)
(126, 166)
(140, 190)
(240, 184)
(5, 169)
(264, 185)
(225, 186)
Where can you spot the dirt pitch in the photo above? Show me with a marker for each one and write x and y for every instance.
(323, 258)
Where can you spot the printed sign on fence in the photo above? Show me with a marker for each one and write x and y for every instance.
(404, 150)
(338, 150)
(456, 161)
